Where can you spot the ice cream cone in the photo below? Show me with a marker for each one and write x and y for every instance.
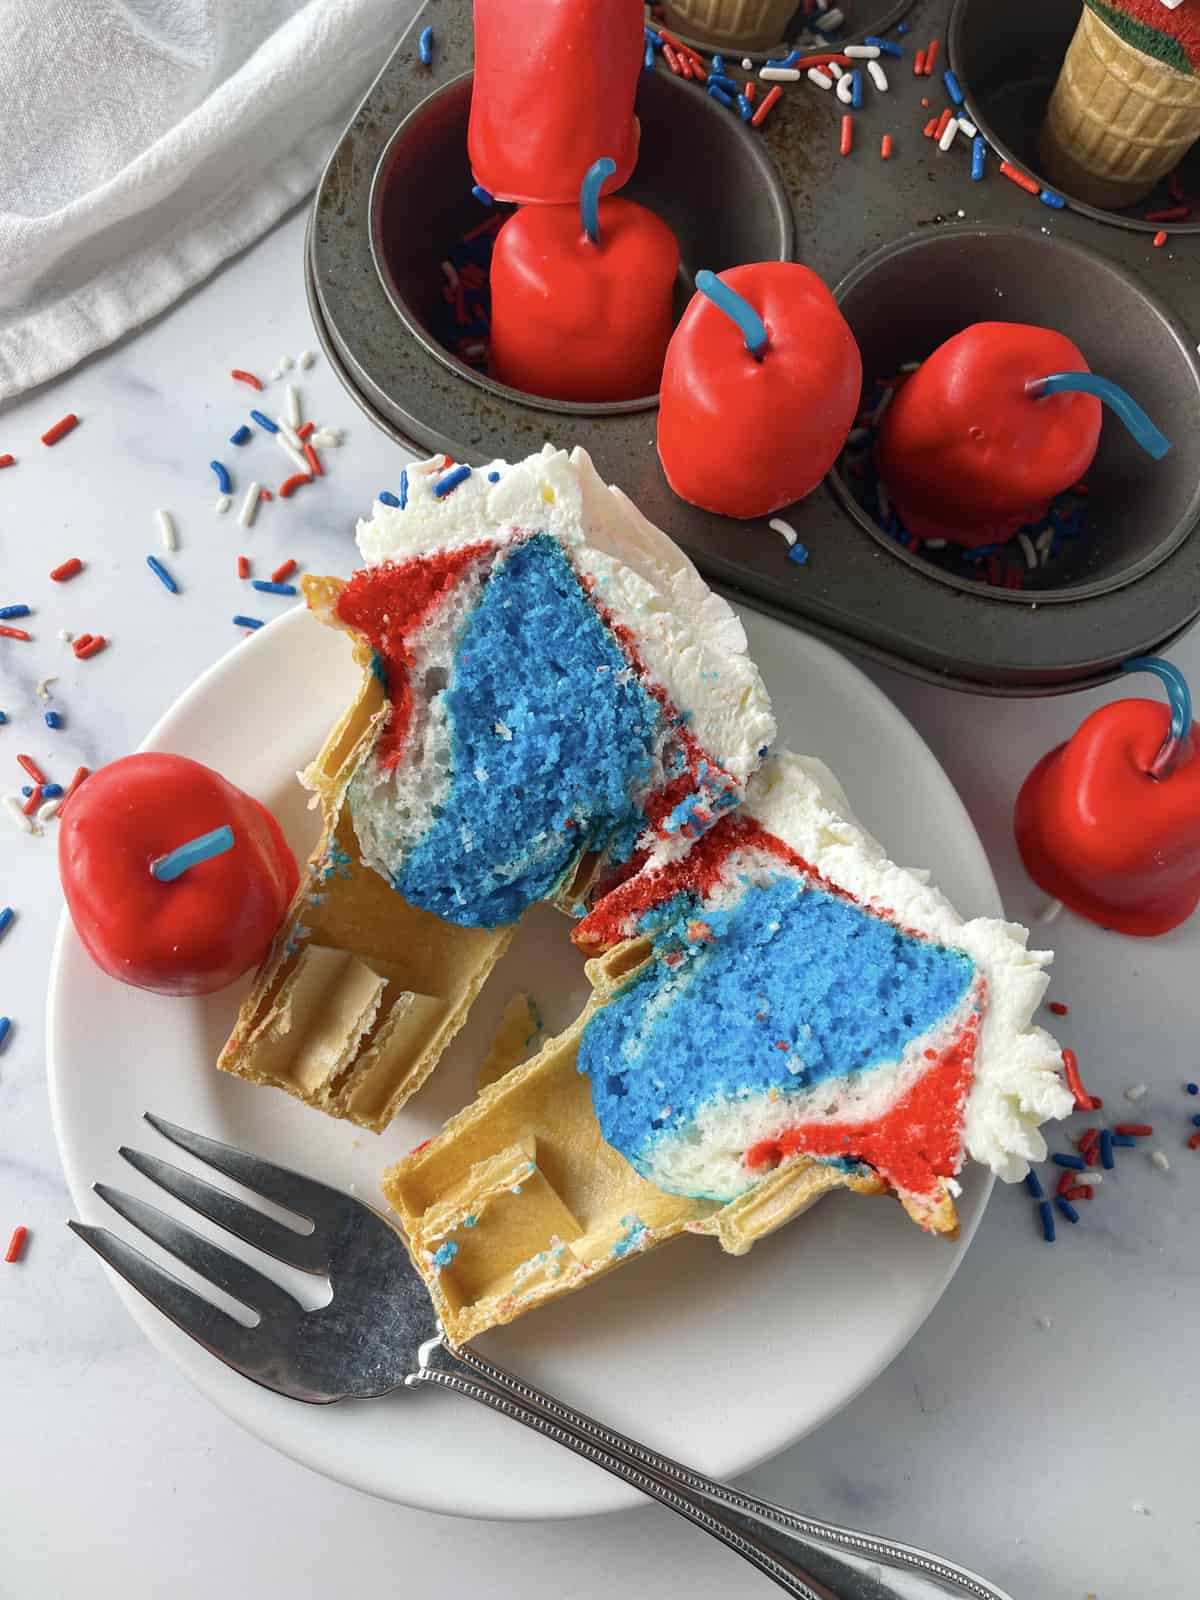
(1118, 121)
(739, 24)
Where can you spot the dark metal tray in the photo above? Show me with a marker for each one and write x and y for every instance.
(915, 250)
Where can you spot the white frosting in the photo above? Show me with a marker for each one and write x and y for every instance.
(689, 639)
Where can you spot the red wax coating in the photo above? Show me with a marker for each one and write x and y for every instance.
(1097, 832)
(967, 454)
(573, 320)
(216, 920)
(744, 437)
(554, 89)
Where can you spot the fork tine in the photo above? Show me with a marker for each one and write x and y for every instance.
(195, 1316)
(305, 1251)
(317, 1202)
(226, 1272)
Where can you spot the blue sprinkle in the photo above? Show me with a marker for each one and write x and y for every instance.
(5, 1025)
(799, 554)
(387, 498)
(3, 718)
(885, 46)
(54, 720)
(856, 89)
(1076, 1163)
(425, 46)
(653, 39)
(247, 622)
(1124, 1141)
(648, 58)
(161, 573)
(952, 87)
(50, 791)
(27, 790)
(242, 436)
(722, 82)
(264, 587)
(718, 64)
(6, 917)
(1047, 1217)
(789, 60)
(1195, 1120)
(1049, 198)
(719, 94)
(493, 477)
(224, 481)
(745, 108)
(1106, 1150)
(978, 157)
(902, 27)
(445, 1253)
(1067, 1209)
(264, 421)
(482, 195)
(469, 1222)
(1192, 1088)
(404, 489)
(451, 481)
(8, 612)
(1034, 1184)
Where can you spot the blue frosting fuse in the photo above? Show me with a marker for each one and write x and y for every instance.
(978, 157)
(242, 435)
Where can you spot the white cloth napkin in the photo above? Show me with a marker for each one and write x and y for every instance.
(146, 141)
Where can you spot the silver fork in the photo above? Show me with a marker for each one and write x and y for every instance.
(379, 1333)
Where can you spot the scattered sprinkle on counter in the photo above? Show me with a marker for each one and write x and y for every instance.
(7, 460)
(247, 622)
(161, 573)
(53, 720)
(242, 435)
(61, 428)
(7, 917)
(67, 570)
(425, 46)
(242, 376)
(16, 1245)
(267, 587)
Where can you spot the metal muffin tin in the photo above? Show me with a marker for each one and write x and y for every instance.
(908, 270)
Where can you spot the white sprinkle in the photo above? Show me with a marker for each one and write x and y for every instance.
(294, 414)
(910, 366)
(821, 79)
(1159, 1158)
(1031, 557)
(43, 688)
(65, 635)
(779, 74)
(432, 463)
(845, 89)
(935, 544)
(830, 22)
(250, 506)
(1050, 912)
(286, 363)
(224, 501)
(785, 528)
(877, 415)
(1140, 1510)
(878, 76)
(1135, 1092)
(326, 439)
(747, 64)
(862, 52)
(16, 811)
(1090, 1177)
(307, 358)
(166, 523)
(50, 810)
(949, 136)
(292, 451)
(967, 128)
(286, 431)
(451, 276)
(832, 67)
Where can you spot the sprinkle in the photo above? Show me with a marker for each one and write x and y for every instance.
(451, 481)
(493, 477)
(294, 414)
(1122, 1141)
(88, 647)
(161, 573)
(830, 22)
(1031, 561)
(745, 109)
(884, 46)
(222, 504)
(1191, 1088)
(919, 64)
(948, 134)
(264, 421)
(53, 720)
(1160, 1160)
(856, 92)
(952, 87)
(242, 436)
(403, 488)
(307, 359)
(13, 806)
(1049, 198)
(284, 570)
(845, 89)
(289, 485)
(764, 107)
(246, 377)
(1050, 912)
(779, 75)
(327, 438)
(1083, 1100)
(68, 569)
(17, 1243)
(243, 567)
(717, 93)
(1106, 1150)
(247, 622)
(1135, 1091)
(34, 801)
(314, 461)
(6, 919)
(1075, 1163)
(31, 767)
(1047, 1217)
(1058, 1008)
(224, 481)
(1014, 175)
(7, 460)
(61, 428)
(14, 633)
(250, 506)
(49, 811)
(885, 147)
(294, 452)
(166, 525)
(265, 587)
(303, 433)
(846, 143)
(799, 554)
(1170, 214)
(931, 55)
(425, 46)
(1078, 1191)
(878, 76)
(863, 52)
(81, 774)
(1194, 1142)
(446, 1251)
(1135, 1130)
(820, 78)
(1067, 1209)
(967, 127)
(387, 498)
(785, 528)
(930, 128)
(1159, 239)
(14, 611)
(1034, 1184)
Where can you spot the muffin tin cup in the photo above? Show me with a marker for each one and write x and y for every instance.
(1007, 55)
(1139, 510)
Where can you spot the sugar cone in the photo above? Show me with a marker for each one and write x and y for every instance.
(1118, 120)
(739, 24)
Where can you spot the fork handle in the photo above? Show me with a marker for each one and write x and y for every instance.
(803, 1557)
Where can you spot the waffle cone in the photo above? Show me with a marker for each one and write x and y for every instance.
(744, 24)
(1118, 120)
(361, 992)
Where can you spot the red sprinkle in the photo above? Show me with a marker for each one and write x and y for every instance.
(289, 485)
(60, 429)
(314, 461)
(1170, 214)
(1194, 1141)
(930, 128)
(1093, 1156)
(81, 773)
(303, 433)
(847, 139)
(1078, 1191)
(34, 801)
(1135, 1130)
(1083, 1100)
(15, 633)
(943, 123)
(283, 571)
(1159, 239)
(68, 569)
(246, 377)
(32, 768)
(243, 566)
(93, 647)
(764, 106)
(931, 55)
(919, 64)
(266, 495)
(672, 60)
(885, 151)
(1088, 1138)
(7, 461)
(1057, 1006)
(1066, 1180)
(750, 90)
(16, 1244)
(1014, 175)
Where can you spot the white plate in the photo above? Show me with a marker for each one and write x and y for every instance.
(718, 1361)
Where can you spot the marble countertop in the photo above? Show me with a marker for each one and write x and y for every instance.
(1041, 1426)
